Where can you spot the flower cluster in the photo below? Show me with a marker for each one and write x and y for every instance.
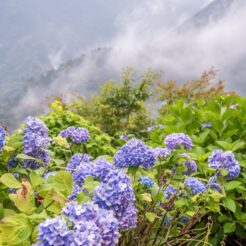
(195, 185)
(54, 232)
(169, 191)
(190, 164)
(225, 160)
(77, 135)
(172, 141)
(214, 184)
(116, 194)
(77, 160)
(97, 224)
(162, 153)
(2, 137)
(146, 181)
(135, 153)
(36, 142)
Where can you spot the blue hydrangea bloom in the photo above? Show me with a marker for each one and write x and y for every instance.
(91, 212)
(77, 160)
(82, 172)
(116, 194)
(2, 137)
(190, 164)
(100, 168)
(76, 190)
(135, 153)
(146, 181)
(129, 218)
(124, 137)
(214, 184)
(169, 191)
(86, 233)
(206, 124)
(162, 153)
(77, 135)
(174, 140)
(13, 162)
(36, 142)
(54, 232)
(195, 185)
(225, 160)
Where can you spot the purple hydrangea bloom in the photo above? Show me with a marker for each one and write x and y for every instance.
(206, 124)
(77, 135)
(13, 162)
(2, 137)
(86, 233)
(214, 184)
(82, 172)
(129, 219)
(146, 181)
(162, 153)
(116, 194)
(190, 164)
(36, 142)
(150, 128)
(169, 191)
(174, 140)
(100, 168)
(91, 212)
(124, 137)
(54, 232)
(225, 160)
(77, 160)
(67, 132)
(135, 153)
(195, 185)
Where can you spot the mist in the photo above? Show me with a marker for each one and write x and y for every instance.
(162, 36)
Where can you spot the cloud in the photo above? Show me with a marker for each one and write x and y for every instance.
(149, 36)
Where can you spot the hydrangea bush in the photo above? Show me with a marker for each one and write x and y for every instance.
(182, 185)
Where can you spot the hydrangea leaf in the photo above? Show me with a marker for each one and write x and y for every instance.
(10, 181)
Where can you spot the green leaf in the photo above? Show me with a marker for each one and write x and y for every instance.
(230, 204)
(90, 184)
(238, 145)
(35, 179)
(145, 197)
(63, 182)
(15, 230)
(229, 227)
(10, 181)
(232, 185)
(82, 197)
(27, 157)
(24, 198)
(150, 216)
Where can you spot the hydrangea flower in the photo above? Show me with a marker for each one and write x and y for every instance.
(150, 128)
(13, 162)
(77, 135)
(75, 191)
(54, 232)
(129, 218)
(190, 164)
(100, 168)
(146, 181)
(135, 153)
(86, 233)
(174, 140)
(82, 172)
(116, 194)
(169, 191)
(195, 185)
(214, 184)
(36, 142)
(77, 160)
(91, 212)
(225, 160)
(162, 153)
(2, 137)
(206, 124)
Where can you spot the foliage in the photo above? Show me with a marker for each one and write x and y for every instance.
(203, 88)
(119, 107)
